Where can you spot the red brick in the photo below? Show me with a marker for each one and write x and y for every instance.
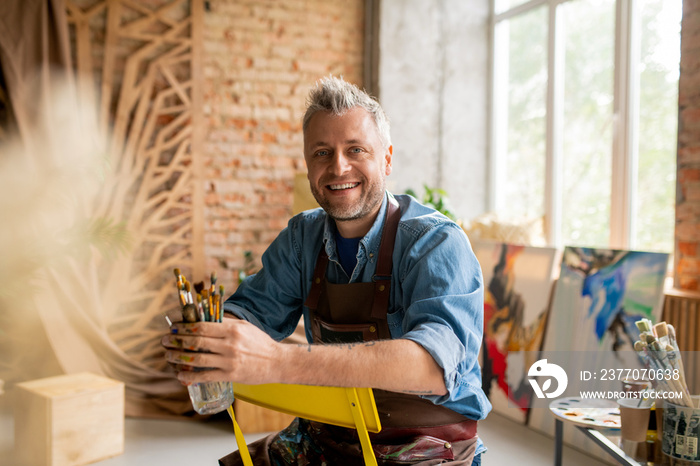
(688, 212)
(692, 192)
(254, 100)
(689, 175)
(688, 283)
(688, 155)
(687, 231)
(688, 248)
(688, 266)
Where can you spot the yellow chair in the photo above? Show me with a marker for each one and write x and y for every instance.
(347, 407)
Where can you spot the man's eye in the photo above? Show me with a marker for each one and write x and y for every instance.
(322, 153)
(356, 150)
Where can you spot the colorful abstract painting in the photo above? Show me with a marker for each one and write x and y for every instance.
(517, 287)
(598, 297)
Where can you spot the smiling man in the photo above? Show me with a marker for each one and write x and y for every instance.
(391, 295)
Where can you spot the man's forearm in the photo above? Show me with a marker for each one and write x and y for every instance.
(237, 350)
(397, 365)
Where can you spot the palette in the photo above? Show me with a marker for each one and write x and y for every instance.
(588, 413)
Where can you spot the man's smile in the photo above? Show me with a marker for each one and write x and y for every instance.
(341, 186)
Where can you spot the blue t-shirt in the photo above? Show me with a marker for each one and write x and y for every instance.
(347, 252)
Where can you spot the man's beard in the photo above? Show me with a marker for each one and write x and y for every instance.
(368, 202)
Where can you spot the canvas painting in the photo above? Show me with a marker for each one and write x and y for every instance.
(598, 297)
(517, 288)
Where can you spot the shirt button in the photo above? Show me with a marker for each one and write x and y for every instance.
(372, 328)
(448, 445)
(371, 254)
(381, 287)
(318, 280)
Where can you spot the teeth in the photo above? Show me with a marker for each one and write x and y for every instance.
(336, 187)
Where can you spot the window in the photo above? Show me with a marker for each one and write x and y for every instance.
(585, 110)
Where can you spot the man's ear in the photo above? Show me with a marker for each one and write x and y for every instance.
(387, 158)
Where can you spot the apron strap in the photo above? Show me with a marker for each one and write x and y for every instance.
(318, 279)
(382, 274)
(386, 247)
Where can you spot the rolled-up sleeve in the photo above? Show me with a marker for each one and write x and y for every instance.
(272, 298)
(442, 298)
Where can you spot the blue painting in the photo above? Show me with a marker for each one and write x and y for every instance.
(600, 295)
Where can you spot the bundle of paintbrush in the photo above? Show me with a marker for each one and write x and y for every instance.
(206, 305)
(658, 348)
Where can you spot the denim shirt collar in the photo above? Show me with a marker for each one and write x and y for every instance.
(369, 244)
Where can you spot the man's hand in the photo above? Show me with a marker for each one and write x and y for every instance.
(230, 350)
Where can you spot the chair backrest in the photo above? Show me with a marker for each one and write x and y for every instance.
(346, 407)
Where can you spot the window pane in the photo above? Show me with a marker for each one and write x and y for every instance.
(521, 87)
(658, 124)
(587, 127)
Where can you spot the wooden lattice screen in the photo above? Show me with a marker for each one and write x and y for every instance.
(137, 63)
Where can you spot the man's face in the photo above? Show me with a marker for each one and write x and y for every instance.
(347, 165)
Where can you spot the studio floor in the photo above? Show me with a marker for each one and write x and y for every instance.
(150, 442)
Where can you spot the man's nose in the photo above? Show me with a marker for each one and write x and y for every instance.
(340, 164)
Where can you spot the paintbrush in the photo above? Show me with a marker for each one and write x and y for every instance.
(672, 335)
(674, 343)
(212, 290)
(188, 292)
(189, 313)
(200, 310)
(180, 287)
(644, 325)
(665, 362)
(674, 358)
(205, 306)
(221, 303)
(661, 332)
(652, 361)
(212, 297)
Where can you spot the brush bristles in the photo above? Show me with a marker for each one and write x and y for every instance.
(661, 329)
(643, 325)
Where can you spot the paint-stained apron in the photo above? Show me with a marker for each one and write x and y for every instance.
(414, 430)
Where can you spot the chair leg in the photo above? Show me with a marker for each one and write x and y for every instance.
(361, 427)
(240, 440)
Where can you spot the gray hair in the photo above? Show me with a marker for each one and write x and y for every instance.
(338, 96)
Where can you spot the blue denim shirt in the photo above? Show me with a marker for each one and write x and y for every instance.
(436, 290)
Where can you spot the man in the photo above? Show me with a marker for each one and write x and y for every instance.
(394, 281)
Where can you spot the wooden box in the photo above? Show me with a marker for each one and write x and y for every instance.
(69, 420)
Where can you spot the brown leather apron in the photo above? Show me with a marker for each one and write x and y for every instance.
(357, 312)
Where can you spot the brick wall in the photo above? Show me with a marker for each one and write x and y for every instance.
(687, 252)
(260, 59)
